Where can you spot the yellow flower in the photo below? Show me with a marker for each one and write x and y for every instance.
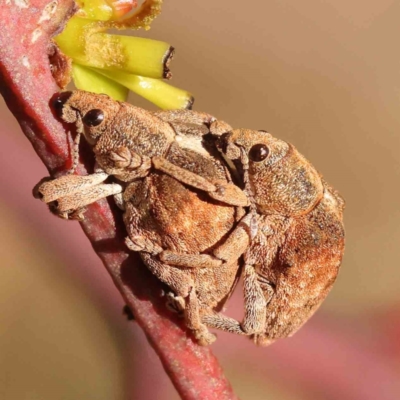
(113, 64)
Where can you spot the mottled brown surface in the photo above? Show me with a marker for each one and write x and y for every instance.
(170, 174)
(299, 245)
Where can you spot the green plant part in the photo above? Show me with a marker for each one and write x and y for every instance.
(112, 64)
(86, 77)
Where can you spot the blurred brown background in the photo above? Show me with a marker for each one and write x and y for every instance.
(323, 75)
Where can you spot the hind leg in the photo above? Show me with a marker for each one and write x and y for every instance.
(180, 281)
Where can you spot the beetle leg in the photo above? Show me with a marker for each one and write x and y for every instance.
(175, 303)
(185, 117)
(222, 322)
(183, 175)
(225, 192)
(238, 240)
(72, 206)
(229, 193)
(49, 189)
(194, 322)
(177, 279)
(182, 117)
(189, 260)
(183, 286)
(119, 201)
(255, 311)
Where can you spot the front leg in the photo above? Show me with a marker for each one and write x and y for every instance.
(185, 117)
(73, 206)
(180, 118)
(68, 195)
(49, 189)
(227, 193)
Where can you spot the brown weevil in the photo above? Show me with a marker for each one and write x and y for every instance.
(293, 260)
(180, 204)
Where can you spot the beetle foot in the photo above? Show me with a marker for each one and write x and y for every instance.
(176, 304)
(204, 337)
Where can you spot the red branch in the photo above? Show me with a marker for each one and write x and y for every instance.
(27, 85)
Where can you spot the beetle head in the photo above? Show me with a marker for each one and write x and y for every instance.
(279, 178)
(92, 113)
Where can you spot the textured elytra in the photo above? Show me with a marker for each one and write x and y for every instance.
(195, 228)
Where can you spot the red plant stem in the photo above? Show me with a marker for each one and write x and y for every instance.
(27, 86)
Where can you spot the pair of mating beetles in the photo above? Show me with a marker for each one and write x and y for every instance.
(203, 204)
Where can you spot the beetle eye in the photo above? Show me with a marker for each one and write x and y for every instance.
(258, 152)
(93, 117)
(58, 102)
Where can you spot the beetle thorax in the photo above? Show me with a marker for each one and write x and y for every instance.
(289, 187)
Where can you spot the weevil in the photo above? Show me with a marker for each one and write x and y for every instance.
(294, 258)
(180, 204)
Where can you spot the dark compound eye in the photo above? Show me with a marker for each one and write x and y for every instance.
(258, 152)
(93, 117)
(58, 102)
